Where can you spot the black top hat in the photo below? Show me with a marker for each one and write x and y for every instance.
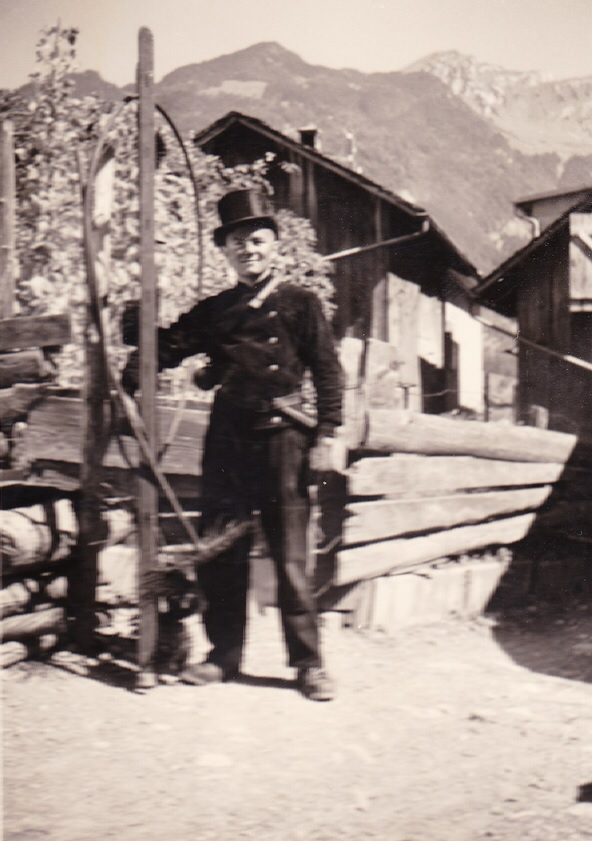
(242, 206)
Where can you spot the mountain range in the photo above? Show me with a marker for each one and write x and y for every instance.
(461, 138)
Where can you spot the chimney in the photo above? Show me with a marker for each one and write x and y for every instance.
(308, 136)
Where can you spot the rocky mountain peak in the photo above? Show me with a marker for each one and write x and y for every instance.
(484, 87)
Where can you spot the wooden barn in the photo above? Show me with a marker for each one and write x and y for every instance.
(547, 287)
(409, 300)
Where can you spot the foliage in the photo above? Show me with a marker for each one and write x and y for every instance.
(56, 134)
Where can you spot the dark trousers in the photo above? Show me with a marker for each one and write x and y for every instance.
(246, 468)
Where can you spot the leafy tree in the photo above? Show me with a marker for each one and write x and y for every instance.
(56, 133)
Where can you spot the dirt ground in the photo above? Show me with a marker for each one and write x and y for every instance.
(449, 732)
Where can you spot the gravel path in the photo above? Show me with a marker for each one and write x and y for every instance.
(452, 732)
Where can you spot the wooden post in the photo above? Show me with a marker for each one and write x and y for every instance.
(83, 580)
(310, 190)
(147, 492)
(380, 302)
(7, 224)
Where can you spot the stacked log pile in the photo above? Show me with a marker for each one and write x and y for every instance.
(425, 488)
(33, 620)
(34, 538)
(38, 549)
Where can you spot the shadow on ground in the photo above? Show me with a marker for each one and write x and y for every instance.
(543, 601)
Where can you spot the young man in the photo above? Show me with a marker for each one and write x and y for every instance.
(261, 335)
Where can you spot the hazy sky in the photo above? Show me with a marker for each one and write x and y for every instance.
(554, 36)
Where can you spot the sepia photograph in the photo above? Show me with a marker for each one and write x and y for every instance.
(296, 420)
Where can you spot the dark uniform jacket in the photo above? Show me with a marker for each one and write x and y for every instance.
(258, 352)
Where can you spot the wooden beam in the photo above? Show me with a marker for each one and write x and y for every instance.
(34, 331)
(94, 427)
(403, 475)
(23, 366)
(54, 434)
(27, 625)
(7, 220)
(580, 258)
(310, 192)
(390, 431)
(389, 518)
(147, 491)
(403, 312)
(16, 402)
(391, 555)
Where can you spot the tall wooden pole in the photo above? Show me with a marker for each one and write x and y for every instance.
(7, 211)
(82, 581)
(147, 492)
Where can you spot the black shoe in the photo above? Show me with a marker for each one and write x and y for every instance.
(315, 684)
(201, 674)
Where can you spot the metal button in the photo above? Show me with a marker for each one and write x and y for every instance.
(274, 367)
(273, 340)
(275, 419)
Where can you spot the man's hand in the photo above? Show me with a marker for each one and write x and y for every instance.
(328, 454)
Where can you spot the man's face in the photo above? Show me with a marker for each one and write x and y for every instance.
(249, 249)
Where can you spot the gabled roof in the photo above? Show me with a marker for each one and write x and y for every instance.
(532, 247)
(236, 118)
(212, 131)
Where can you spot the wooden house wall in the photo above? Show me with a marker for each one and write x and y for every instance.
(581, 335)
(552, 392)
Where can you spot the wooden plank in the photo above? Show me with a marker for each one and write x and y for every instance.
(34, 331)
(54, 434)
(391, 555)
(403, 308)
(580, 261)
(16, 402)
(382, 378)
(389, 518)
(147, 491)
(500, 403)
(11, 475)
(379, 316)
(351, 355)
(296, 191)
(311, 192)
(404, 474)
(7, 219)
(23, 366)
(51, 620)
(398, 431)
(94, 417)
